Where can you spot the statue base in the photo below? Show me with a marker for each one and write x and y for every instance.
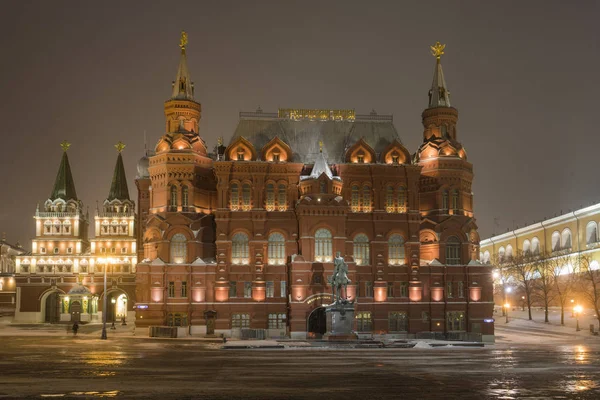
(340, 321)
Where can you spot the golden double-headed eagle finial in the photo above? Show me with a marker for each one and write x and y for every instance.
(65, 145)
(220, 141)
(183, 41)
(120, 146)
(437, 50)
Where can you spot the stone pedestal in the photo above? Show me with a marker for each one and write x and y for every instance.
(340, 321)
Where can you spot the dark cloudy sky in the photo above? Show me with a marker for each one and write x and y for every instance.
(523, 74)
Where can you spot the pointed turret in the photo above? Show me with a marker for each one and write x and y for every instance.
(183, 88)
(439, 95)
(321, 167)
(64, 187)
(118, 186)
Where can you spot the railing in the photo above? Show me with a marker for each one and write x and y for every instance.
(55, 214)
(104, 214)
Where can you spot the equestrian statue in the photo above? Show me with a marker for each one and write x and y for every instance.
(339, 279)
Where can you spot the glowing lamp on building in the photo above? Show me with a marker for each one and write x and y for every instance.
(156, 294)
(414, 293)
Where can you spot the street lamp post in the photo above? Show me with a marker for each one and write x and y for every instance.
(114, 305)
(572, 308)
(124, 299)
(506, 306)
(103, 337)
(577, 309)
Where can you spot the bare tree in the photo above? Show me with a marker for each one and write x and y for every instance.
(543, 281)
(501, 278)
(521, 268)
(589, 282)
(564, 276)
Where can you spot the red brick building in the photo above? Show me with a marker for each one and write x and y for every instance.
(245, 237)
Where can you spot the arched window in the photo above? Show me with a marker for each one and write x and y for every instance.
(323, 246)
(555, 241)
(124, 226)
(565, 242)
(509, 253)
(173, 202)
(239, 248)
(501, 255)
(323, 186)
(445, 202)
(234, 197)
(453, 251)
(535, 246)
(281, 198)
(105, 227)
(455, 201)
(361, 250)
(48, 227)
(389, 199)
(66, 227)
(366, 200)
(57, 226)
(486, 257)
(591, 233)
(270, 197)
(178, 248)
(396, 255)
(526, 248)
(401, 199)
(184, 196)
(276, 249)
(355, 199)
(246, 196)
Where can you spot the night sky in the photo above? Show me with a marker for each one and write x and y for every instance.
(523, 76)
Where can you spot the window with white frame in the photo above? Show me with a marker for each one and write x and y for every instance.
(276, 249)
(270, 289)
(323, 245)
(282, 289)
(364, 322)
(240, 320)
(591, 233)
(239, 248)
(247, 290)
(361, 249)
(277, 321)
(396, 255)
(178, 248)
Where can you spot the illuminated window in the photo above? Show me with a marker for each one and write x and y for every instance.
(389, 199)
(360, 158)
(323, 249)
(239, 248)
(177, 319)
(453, 251)
(361, 249)
(246, 196)
(270, 289)
(396, 254)
(401, 199)
(240, 320)
(57, 227)
(455, 321)
(171, 289)
(591, 233)
(282, 289)
(526, 248)
(281, 198)
(66, 227)
(48, 227)
(234, 201)
(555, 241)
(178, 248)
(184, 196)
(565, 242)
(397, 321)
(173, 202)
(240, 154)
(364, 322)
(535, 246)
(275, 157)
(366, 200)
(277, 321)
(449, 293)
(395, 159)
(270, 197)
(113, 250)
(355, 199)
(247, 290)
(184, 289)
(276, 254)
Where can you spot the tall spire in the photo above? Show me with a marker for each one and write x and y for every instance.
(64, 187)
(183, 88)
(439, 95)
(118, 186)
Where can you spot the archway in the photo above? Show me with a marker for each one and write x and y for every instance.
(116, 305)
(317, 323)
(52, 308)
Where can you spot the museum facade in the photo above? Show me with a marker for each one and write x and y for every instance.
(239, 240)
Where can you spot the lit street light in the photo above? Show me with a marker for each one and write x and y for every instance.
(523, 303)
(572, 308)
(114, 303)
(577, 310)
(506, 306)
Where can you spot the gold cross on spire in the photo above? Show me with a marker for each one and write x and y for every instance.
(183, 41)
(120, 146)
(65, 145)
(437, 50)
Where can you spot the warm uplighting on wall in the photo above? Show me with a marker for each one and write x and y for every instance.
(380, 293)
(437, 293)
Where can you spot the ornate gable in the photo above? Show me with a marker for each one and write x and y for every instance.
(360, 152)
(276, 151)
(240, 150)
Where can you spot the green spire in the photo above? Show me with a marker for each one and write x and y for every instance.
(118, 186)
(64, 187)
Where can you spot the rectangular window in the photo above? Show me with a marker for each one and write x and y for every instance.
(233, 289)
(449, 293)
(102, 250)
(397, 321)
(113, 250)
(461, 290)
(277, 321)
(123, 250)
(455, 321)
(247, 290)
(390, 289)
(270, 289)
(368, 289)
(177, 319)
(240, 320)
(282, 289)
(42, 250)
(425, 316)
(69, 250)
(403, 289)
(171, 289)
(56, 250)
(184, 289)
(364, 322)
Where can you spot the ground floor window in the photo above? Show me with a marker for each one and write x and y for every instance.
(177, 319)
(364, 322)
(276, 321)
(397, 321)
(240, 320)
(455, 321)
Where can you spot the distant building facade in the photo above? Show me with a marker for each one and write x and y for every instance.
(8, 294)
(245, 237)
(62, 280)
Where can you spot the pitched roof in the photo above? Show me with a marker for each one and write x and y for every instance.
(64, 187)
(439, 95)
(183, 88)
(118, 186)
